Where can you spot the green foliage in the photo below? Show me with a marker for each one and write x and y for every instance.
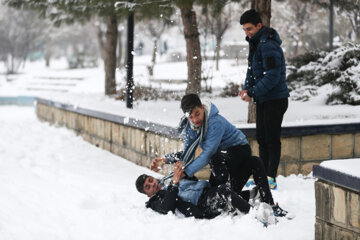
(347, 5)
(148, 10)
(64, 11)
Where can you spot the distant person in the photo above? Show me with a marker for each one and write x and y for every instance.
(139, 48)
(165, 47)
(266, 83)
(207, 134)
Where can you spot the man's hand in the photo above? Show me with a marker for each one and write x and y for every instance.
(156, 163)
(244, 96)
(178, 172)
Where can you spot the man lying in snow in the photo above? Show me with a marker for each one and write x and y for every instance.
(198, 199)
(189, 196)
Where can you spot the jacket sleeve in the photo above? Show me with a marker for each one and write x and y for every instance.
(166, 203)
(248, 80)
(272, 57)
(209, 147)
(174, 157)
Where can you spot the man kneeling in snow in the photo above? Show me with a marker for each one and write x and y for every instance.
(190, 197)
(211, 139)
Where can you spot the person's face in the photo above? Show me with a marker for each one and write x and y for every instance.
(151, 186)
(250, 29)
(197, 116)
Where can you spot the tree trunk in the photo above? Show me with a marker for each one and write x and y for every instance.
(355, 23)
(218, 47)
(296, 49)
(110, 54)
(120, 50)
(193, 57)
(263, 7)
(153, 60)
(101, 43)
(47, 54)
(331, 24)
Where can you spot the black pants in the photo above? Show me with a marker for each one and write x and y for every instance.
(216, 199)
(241, 165)
(220, 174)
(269, 116)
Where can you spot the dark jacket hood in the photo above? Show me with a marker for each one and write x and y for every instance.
(263, 34)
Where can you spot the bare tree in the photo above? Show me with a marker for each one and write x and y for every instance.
(216, 19)
(120, 55)
(154, 29)
(110, 48)
(100, 26)
(192, 40)
(352, 10)
(20, 33)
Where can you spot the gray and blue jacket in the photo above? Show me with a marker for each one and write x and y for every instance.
(266, 74)
(221, 135)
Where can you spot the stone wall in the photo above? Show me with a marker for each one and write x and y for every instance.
(135, 144)
(139, 142)
(300, 153)
(337, 206)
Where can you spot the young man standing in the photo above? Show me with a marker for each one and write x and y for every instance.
(266, 83)
(207, 133)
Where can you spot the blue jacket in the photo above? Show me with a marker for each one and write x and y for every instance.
(190, 191)
(221, 135)
(266, 74)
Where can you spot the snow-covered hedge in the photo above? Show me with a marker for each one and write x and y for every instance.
(340, 68)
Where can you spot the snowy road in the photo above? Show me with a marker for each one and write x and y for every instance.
(53, 185)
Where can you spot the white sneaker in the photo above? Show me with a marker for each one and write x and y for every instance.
(265, 214)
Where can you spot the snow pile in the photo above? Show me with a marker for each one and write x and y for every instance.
(339, 69)
(347, 166)
(54, 185)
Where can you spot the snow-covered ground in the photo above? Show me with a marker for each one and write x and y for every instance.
(54, 185)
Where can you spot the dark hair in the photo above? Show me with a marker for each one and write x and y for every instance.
(250, 16)
(189, 102)
(140, 183)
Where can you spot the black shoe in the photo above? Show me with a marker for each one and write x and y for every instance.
(278, 211)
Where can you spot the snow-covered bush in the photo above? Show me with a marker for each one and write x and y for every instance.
(145, 93)
(340, 68)
(230, 90)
